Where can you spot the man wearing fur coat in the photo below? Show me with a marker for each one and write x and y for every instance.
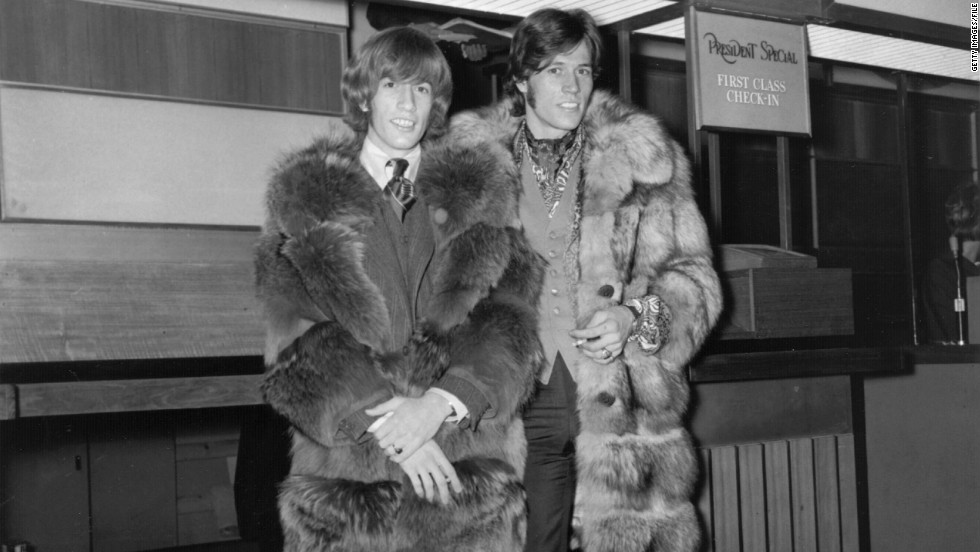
(630, 295)
(402, 322)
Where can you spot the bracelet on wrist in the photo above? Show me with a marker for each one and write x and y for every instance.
(652, 328)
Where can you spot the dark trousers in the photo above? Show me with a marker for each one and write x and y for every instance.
(551, 424)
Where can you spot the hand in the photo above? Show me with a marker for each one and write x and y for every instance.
(608, 330)
(474, 52)
(430, 471)
(431, 29)
(413, 421)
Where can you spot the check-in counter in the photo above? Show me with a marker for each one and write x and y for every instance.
(781, 447)
(922, 436)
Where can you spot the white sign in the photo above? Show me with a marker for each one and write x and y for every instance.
(748, 74)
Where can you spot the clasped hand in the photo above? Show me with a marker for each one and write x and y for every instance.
(406, 437)
(607, 330)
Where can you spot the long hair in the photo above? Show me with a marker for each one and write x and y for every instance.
(400, 54)
(542, 36)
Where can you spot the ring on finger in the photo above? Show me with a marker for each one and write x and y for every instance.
(606, 353)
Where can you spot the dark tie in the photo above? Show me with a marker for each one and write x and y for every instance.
(402, 190)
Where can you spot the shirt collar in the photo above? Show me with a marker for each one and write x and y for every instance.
(374, 160)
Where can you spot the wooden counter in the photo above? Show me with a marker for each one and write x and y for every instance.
(779, 434)
(60, 398)
(923, 453)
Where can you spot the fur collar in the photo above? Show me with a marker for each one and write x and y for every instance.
(326, 182)
(323, 182)
(619, 136)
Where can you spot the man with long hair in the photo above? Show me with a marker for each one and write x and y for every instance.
(399, 303)
(629, 297)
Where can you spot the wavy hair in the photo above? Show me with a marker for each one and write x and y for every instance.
(400, 54)
(540, 38)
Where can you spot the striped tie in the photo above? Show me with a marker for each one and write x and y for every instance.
(401, 189)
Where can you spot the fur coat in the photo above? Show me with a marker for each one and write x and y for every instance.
(640, 232)
(327, 360)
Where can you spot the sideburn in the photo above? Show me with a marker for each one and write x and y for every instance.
(529, 97)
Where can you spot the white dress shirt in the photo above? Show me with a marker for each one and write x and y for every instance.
(375, 161)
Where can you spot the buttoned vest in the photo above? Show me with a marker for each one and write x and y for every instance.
(551, 237)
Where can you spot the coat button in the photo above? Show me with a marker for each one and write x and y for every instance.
(556, 310)
(605, 398)
(552, 254)
(606, 291)
(554, 291)
(553, 235)
(406, 349)
(553, 272)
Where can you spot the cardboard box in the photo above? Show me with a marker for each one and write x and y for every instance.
(787, 302)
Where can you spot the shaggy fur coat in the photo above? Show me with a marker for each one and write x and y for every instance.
(641, 233)
(327, 360)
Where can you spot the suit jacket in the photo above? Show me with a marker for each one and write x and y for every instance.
(341, 298)
(396, 257)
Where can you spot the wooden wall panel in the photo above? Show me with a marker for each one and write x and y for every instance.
(52, 55)
(704, 506)
(73, 311)
(44, 485)
(156, 43)
(196, 58)
(18, 49)
(752, 497)
(724, 493)
(129, 49)
(76, 72)
(206, 458)
(780, 496)
(228, 45)
(770, 409)
(826, 480)
(132, 474)
(847, 474)
(803, 496)
(76, 292)
(779, 509)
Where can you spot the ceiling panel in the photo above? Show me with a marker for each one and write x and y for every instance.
(891, 53)
(824, 42)
(605, 12)
(865, 49)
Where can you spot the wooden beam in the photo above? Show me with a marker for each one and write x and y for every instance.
(104, 242)
(650, 18)
(785, 194)
(787, 11)
(808, 363)
(898, 26)
(625, 70)
(95, 397)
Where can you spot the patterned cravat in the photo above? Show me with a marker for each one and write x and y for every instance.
(401, 189)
